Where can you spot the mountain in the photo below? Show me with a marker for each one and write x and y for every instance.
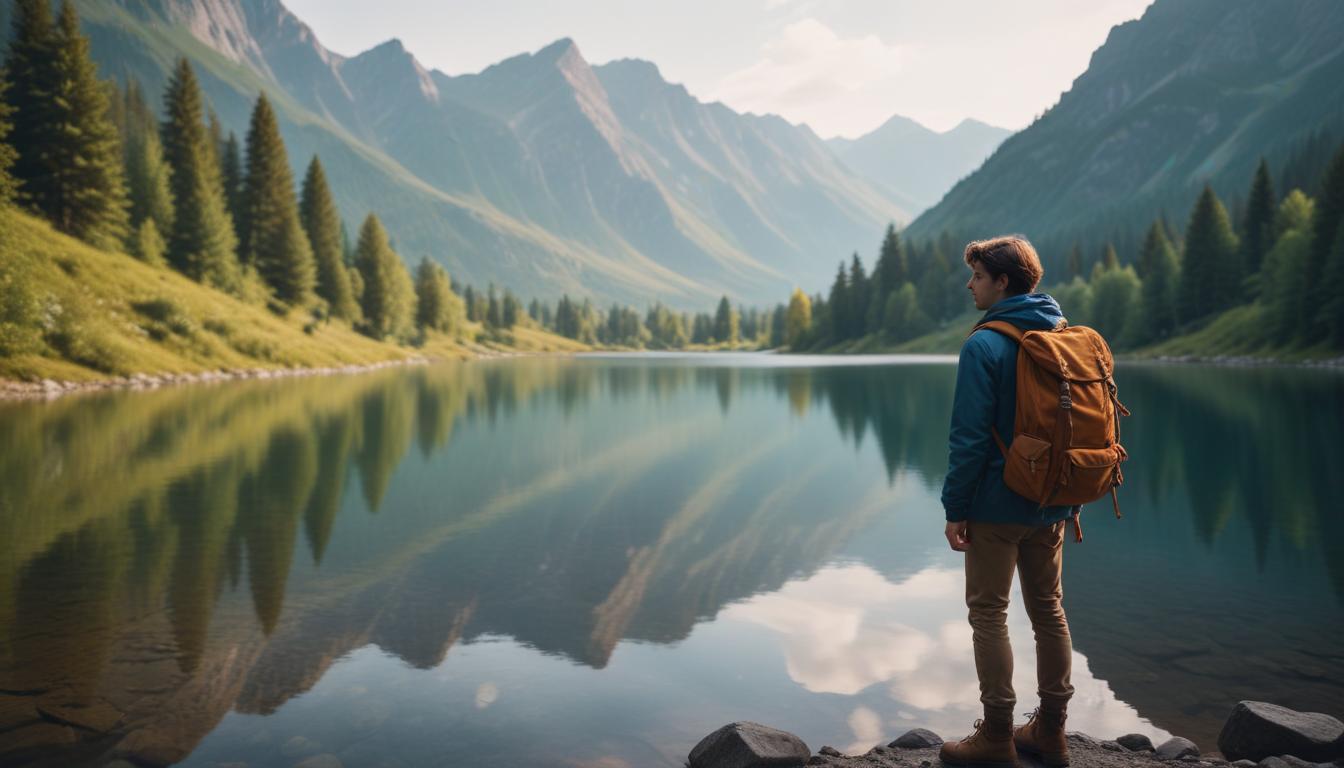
(915, 165)
(1193, 92)
(541, 173)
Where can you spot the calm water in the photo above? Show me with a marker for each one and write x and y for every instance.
(596, 561)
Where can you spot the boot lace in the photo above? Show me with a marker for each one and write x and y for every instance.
(979, 723)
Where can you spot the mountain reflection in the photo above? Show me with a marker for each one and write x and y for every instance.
(175, 555)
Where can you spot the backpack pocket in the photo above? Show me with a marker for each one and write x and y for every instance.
(1088, 474)
(1025, 466)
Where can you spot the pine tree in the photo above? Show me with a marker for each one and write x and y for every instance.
(1075, 266)
(1327, 220)
(892, 269)
(1210, 269)
(271, 237)
(30, 93)
(1257, 226)
(858, 298)
(436, 306)
(146, 243)
(322, 225)
(1161, 271)
(1332, 309)
(9, 187)
(148, 177)
(231, 177)
(726, 323)
(201, 243)
(71, 164)
(1284, 278)
(388, 293)
(494, 312)
(1109, 259)
(838, 302)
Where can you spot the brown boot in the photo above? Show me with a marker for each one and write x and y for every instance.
(1043, 736)
(991, 746)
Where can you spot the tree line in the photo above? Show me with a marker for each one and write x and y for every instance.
(1282, 255)
(96, 162)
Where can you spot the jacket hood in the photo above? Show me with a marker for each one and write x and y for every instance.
(1028, 311)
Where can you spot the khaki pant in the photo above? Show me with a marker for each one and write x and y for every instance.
(996, 549)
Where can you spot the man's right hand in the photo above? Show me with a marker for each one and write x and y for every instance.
(958, 537)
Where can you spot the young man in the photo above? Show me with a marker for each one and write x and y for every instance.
(999, 530)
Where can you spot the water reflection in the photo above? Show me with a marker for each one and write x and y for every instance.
(178, 555)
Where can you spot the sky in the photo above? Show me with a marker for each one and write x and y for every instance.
(841, 66)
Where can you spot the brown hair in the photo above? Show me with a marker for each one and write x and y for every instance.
(1011, 255)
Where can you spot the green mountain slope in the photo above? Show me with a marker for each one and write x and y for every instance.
(1195, 91)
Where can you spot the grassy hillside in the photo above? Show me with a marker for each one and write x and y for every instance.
(71, 312)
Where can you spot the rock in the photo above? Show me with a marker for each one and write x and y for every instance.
(831, 752)
(1273, 762)
(1288, 761)
(1111, 746)
(321, 761)
(1175, 748)
(1083, 739)
(1135, 742)
(919, 738)
(746, 745)
(1244, 763)
(1256, 730)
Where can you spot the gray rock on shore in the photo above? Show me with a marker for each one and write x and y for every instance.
(1136, 742)
(1176, 748)
(1257, 730)
(919, 738)
(749, 745)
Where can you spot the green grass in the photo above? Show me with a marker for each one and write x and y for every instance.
(1239, 332)
(74, 313)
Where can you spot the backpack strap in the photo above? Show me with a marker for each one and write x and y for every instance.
(1016, 334)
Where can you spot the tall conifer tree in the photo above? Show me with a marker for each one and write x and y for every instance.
(1161, 271)
(202, 243)
(269, 232)
(147, 172)
(1327, 221)
(388, 293)
(1210, 269)
(70, 165)
(30, 93)
(1257, 227)
(8, 186)
(231, 177)
(322, 223)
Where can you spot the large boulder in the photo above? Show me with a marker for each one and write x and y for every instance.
(1257, 730)
(919, 738)
(749, 745)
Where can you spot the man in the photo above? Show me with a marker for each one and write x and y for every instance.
(999, 530)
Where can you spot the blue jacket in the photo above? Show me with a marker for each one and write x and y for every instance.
(987, 395)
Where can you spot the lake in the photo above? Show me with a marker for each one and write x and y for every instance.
(595, 561)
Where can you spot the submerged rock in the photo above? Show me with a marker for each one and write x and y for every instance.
(1256, 730)
(749, 745)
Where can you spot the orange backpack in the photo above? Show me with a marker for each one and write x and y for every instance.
(1066, 447)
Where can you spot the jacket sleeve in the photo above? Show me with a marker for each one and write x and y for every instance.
(969, 440)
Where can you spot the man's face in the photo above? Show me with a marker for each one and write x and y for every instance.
(986, 290)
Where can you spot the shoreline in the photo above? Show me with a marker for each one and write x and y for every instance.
(50, 389)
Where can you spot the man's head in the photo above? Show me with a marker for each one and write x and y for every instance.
(1001, 267)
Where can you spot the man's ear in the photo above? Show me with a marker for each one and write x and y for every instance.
(1001, 282)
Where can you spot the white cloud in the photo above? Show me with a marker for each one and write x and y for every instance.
(809, 73)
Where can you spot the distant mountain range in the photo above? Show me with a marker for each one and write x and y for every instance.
(1194, 92)
(915, 165)
(541, 173)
